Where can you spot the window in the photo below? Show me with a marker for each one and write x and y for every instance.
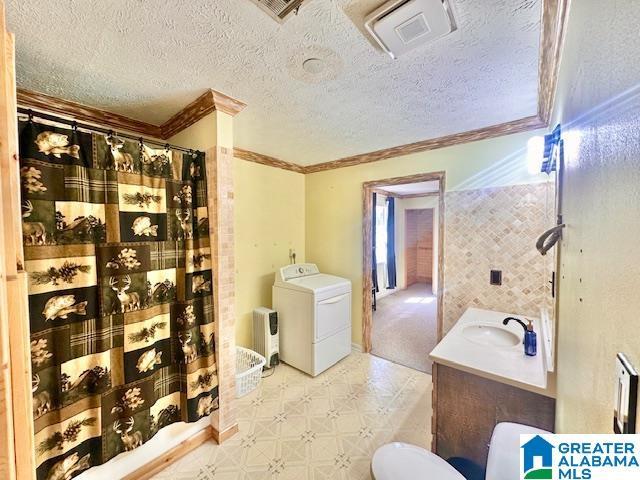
(381, 232)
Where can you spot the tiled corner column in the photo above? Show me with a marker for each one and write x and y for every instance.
(221, 178)
(213, 134)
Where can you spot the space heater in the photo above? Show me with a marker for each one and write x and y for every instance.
(266, 335)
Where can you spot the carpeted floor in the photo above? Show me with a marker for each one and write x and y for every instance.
(405, 327)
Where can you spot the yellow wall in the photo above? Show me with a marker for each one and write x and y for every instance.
(214, 129)
(599, 297)
(334, 199)
(269, 220)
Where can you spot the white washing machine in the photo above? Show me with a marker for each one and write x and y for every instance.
(314, 313)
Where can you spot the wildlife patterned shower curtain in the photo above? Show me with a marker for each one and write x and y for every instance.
(120, 294)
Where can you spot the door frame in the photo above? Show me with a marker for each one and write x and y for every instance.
(368, 188)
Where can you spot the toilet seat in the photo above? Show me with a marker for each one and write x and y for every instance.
(401, 461)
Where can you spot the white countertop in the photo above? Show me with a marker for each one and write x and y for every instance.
(505, 364)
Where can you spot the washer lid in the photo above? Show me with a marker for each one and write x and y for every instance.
(401, 461)
(320, 282)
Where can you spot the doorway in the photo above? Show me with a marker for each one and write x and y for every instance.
(402, 295)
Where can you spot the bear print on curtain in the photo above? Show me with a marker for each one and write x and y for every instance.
(116, 238)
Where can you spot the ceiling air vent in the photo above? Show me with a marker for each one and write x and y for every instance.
(279, 10)
(402, 25)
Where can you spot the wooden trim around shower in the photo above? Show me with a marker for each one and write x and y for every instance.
(367, 240)
(161, 462)
(176, 453)
(17, 449)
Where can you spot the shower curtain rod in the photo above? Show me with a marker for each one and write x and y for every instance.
(106, 131)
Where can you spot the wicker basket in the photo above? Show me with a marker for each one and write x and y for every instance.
(248, 370)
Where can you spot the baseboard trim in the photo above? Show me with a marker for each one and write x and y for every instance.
(220, 437)
(356, 348)
(163, 461)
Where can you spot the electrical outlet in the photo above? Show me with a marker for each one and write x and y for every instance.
(495, 278)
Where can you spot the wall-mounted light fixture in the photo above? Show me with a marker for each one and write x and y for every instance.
(553, 150)
(544, 153)
(552, 161)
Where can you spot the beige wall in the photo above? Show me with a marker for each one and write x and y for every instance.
(334, 198)
(600, 261)
(269, 220)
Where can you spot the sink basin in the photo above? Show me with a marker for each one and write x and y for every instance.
(491, 335)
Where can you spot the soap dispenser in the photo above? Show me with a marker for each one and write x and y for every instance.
(530, 341)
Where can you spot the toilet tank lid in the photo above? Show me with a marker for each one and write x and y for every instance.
(504, 452)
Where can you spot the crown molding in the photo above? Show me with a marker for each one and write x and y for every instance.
(202, 106)
(206, 103)
(267, 160)
(227, 104)
(84, 113)
(521, 125)
(553, 24)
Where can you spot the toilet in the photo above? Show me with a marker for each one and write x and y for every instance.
(402, 461)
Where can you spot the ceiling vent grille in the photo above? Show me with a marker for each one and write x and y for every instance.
(279, 10)
(402, 25)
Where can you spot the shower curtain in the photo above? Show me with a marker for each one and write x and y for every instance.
(116, 238)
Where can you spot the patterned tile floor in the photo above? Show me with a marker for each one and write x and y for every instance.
(297, 427)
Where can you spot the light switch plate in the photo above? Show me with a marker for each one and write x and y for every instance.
(626, 397)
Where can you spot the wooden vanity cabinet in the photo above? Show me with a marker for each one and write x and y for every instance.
(467, 407)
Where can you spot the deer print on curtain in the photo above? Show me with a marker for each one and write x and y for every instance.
(120, 294)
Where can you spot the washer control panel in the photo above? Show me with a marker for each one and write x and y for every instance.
(298, 270)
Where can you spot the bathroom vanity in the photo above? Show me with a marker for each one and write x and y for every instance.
(481, 377)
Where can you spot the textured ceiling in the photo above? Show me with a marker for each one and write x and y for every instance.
(149, 59)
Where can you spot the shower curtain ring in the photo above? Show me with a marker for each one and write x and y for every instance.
(30, 113)
(74, 126)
